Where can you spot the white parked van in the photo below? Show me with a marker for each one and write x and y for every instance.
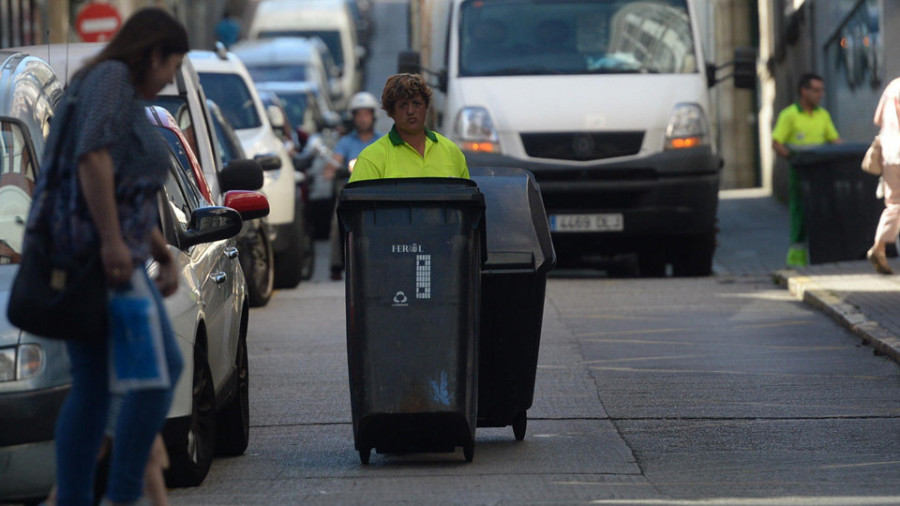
(605, 101)
(330, 20)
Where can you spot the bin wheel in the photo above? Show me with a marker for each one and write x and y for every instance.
(364, 456)
(519, 425)
(469, 452)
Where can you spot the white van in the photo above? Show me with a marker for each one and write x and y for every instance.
(330, 20)
(605, 101)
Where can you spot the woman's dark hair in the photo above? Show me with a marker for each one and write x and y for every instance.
(146, 31)
(404, 87)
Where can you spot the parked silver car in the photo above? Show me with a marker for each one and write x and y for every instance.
(34, 372)
(209, 311)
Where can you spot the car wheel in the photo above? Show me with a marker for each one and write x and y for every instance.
(258, 264)
(694, 255)
(233, 424)
(289, 263)
(190, 458)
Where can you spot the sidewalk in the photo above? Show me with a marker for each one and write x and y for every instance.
(753, 241)
(854, 295)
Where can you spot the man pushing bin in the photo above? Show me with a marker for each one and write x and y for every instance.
(410, 149)
(414, 248)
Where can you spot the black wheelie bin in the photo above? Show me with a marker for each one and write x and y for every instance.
(839, 201)
(513, 281)
(413, 249)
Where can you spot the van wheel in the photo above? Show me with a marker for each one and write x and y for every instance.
(191, 457)
(289, 263)
(257, 262)
(233, 424)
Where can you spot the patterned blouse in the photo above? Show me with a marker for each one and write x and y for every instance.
(107, 113)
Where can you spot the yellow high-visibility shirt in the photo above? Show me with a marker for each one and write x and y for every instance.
(391, 157)
(795, 126)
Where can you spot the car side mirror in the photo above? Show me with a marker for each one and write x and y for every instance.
(251, 205)
(241, 175)
(360, 54)
(211, 224)
(269, 161)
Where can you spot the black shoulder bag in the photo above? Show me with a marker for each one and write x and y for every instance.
(56, 295)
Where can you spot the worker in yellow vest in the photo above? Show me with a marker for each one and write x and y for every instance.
(409, 149)
(799, 125)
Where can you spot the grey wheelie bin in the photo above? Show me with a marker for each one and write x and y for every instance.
(839, 201)
(513, 281)
(414, 250)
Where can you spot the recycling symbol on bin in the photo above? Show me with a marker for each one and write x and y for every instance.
(400, 298)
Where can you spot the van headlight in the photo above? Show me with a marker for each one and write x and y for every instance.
(687, 127)
(475, 131)
(21, 362)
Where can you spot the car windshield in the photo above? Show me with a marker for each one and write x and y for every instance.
(17, 171)
(539, 37)
(278, 73)
(295, 105)
(233, 97)
(332, 39)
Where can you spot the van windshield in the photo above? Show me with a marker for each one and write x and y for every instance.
(332, 39)
(233, 97)
(534, 37)
(17, 171)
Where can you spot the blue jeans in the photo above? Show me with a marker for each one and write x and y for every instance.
(83, 418)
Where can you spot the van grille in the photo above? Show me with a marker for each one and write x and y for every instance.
(581, 146)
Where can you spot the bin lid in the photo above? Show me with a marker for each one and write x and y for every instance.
(518, 233)
(412, 190)
(844, 152)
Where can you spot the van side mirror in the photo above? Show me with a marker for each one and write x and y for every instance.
(409, 62)
(745, 68)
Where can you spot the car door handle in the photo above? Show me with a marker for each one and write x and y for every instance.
(219, 277)
(231, 252)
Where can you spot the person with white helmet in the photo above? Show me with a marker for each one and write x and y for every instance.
(362, 107)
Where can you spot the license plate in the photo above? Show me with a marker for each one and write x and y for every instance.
(587, 222)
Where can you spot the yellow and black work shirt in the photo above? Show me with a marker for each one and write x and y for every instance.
(391, 157)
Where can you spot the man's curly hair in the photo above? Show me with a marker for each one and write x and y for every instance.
(404, 87)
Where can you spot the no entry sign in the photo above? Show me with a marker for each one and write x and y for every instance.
(97, 22)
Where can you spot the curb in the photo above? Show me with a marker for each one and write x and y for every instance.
(806, 290)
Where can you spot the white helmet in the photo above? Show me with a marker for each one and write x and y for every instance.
(363, 100)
